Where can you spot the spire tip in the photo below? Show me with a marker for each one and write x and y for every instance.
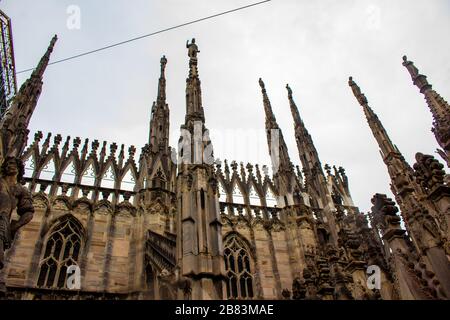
(289, 90)
(261, 83)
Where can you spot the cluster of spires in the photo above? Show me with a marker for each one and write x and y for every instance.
(14, 133)
(26, 100)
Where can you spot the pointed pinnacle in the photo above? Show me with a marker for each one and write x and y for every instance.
(289, 90)
(357, 92)
(294, 109)
(413, 71)
(43, 63)
(418, 79)
(161, 98)
(163, 65)
(261, 84)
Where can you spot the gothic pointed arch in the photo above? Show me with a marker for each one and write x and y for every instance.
(62, 248)
(47, 171)
(238, 267)
(253, 194)
(237, 193)
(128, 179)
(30, 165)
(69, 172)
(271, 198)
(159, 177)
(108, 177)
(222, 191)
(88, 174)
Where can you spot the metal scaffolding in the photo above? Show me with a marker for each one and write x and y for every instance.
(8, 83)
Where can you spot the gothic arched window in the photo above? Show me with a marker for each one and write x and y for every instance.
(238, 269)
(62, 249)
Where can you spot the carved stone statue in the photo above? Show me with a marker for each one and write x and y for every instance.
(261, 83)
(413, 71)
(163, 64)
(12, 196)
(192, 49)
(357, 92)
(289, 90)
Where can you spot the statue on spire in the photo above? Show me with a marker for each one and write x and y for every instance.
(163, 65)
(412, 69)
(261, 84)
(357, 91)
(192, 53)
(192, 49)
(289, 90)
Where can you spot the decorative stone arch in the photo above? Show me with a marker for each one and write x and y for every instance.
(48, 169)
(223, 190)
(238, 198)
(270, 196)
(158, 177)
(108, 175)
(63, 245)
(69, 170)
(89, 173)
(128, 173)
(254, 194)
(239, 259)
(29, 162)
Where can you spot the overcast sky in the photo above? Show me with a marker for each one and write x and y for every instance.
(312, 45)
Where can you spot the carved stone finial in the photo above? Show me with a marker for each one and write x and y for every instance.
(39, 71)
(57, 140)
(76, 142)
(234, 165)
(265, 170)
(413, 71)
(418, 79)
(38, 136)
(261, 84)
(327, 169)
(94, 145)
(289, 90)
(131, 151)
(384, 212)
(163, 65)
(428, 171)
(227, 169)
(113, 148)
(357, 92)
